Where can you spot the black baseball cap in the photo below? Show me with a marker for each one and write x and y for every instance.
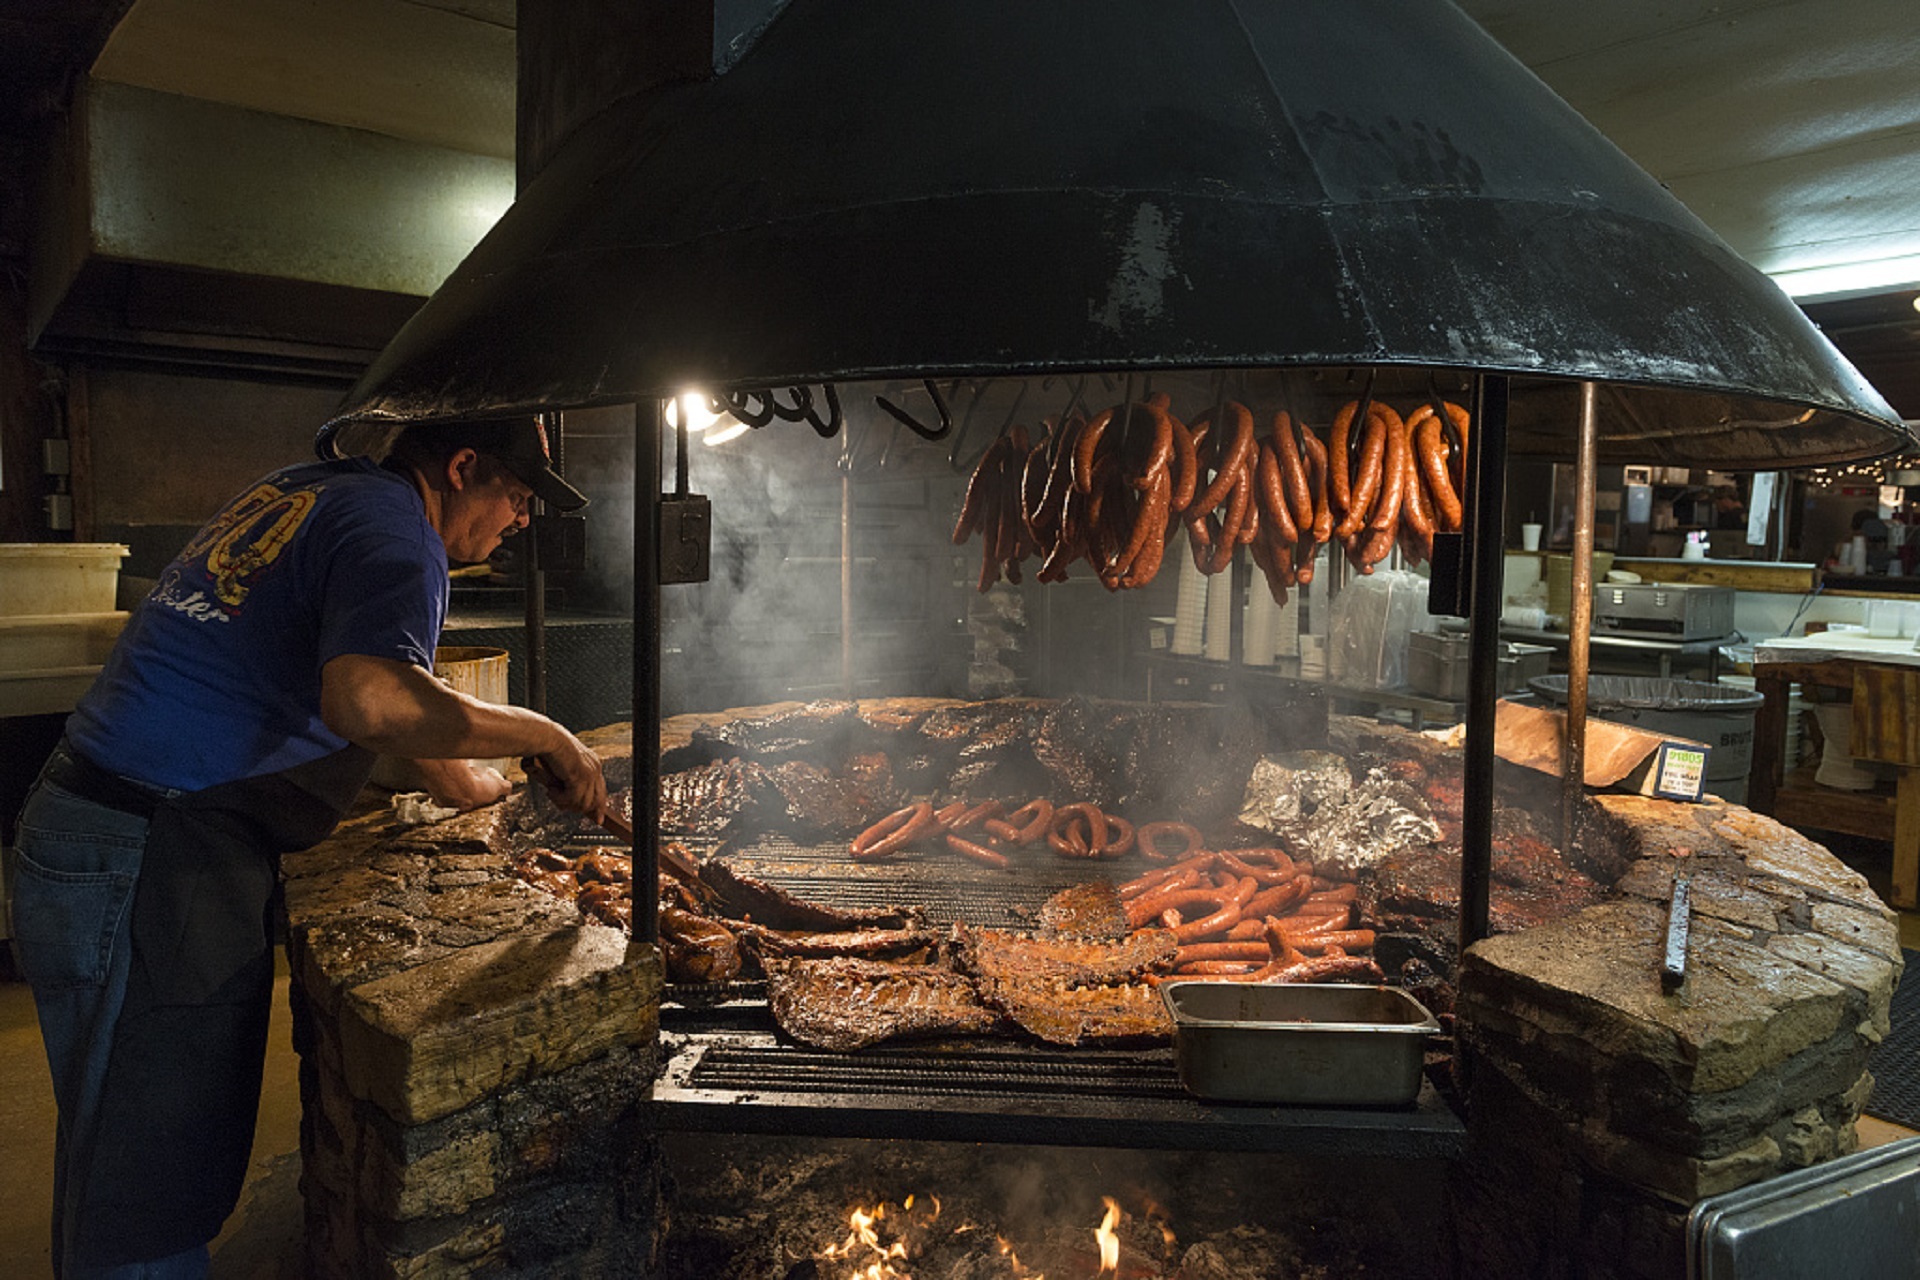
(521, 446)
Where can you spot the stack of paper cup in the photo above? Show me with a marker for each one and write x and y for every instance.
(1262, 614)
(1190, 610)
(1219, 645)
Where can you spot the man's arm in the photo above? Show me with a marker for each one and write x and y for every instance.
(398, 709)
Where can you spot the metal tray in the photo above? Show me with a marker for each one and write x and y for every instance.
(1856, 1216)
(1298, 1043)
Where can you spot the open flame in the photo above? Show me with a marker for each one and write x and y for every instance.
(882, 1241)
(1108, 1241)
(872, 1260)
(874, 1257)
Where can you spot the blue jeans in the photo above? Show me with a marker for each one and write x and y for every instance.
(76, 866)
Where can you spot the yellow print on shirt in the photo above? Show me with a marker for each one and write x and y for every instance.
(248, 536)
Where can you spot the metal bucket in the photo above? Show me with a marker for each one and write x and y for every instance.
(475, 670)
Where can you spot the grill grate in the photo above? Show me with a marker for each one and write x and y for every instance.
(738, 1081)
(971, 1072)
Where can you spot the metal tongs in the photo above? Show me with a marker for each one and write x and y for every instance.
(672, 861)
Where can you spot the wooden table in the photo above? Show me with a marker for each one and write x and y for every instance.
(1883, 676)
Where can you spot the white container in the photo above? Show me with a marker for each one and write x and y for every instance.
(40, 641)
(59, 577)
(1838, 769)
(474, 670)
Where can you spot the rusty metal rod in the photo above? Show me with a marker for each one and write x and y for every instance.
(1486, 555)
(1573, 778)
(846, 584)
(646, 668)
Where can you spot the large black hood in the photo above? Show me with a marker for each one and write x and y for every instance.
(986, 187)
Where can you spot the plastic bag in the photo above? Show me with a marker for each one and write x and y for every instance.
(1368, 626)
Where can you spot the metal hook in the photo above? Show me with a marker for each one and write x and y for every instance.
(827, 428)
(908, 421)
(979, 386)
(737, 403)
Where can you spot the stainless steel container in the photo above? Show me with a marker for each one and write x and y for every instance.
(1437, 664)
(1663, 610)
(1298, 1043)
(1856, 1216)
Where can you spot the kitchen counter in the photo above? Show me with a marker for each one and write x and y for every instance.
(1882, 674)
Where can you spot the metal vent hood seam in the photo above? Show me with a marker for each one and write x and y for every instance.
(1004, 188)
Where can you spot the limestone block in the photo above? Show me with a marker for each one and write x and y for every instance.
(1868, 973)
(477, 1250)
(1594, 977)
(1677, 1177)
(1807, 1138)
(435, 1038)
(316, 898)
(1875, 931)
(441, 1182)
(1792, 857)
(348, 949)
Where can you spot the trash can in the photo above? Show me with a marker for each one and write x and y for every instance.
(1719, 715)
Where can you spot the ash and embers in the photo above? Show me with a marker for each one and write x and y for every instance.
(784, 1209)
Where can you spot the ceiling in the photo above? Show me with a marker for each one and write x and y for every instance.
(1791, 127)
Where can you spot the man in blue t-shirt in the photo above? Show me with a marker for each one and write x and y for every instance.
(290, 642)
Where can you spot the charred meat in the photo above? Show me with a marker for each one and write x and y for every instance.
(771, 944)
(1123, 1013)
(812, 803)
(849, 1004)
(747, 898)
(996, 955)
(709, 799)
(697, 949)
(818, 731)
(1090, 910)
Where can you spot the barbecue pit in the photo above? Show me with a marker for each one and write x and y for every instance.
(1381, 204)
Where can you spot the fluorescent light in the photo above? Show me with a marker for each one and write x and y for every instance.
(1879, 275)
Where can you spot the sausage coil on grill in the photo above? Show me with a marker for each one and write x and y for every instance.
(895, 832)
(1151, 835)
(978, 852)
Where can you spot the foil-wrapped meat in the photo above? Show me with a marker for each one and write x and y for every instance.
(1311, 800)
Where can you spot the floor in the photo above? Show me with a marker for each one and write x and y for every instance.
(262, 1240)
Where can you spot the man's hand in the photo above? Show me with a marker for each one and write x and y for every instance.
(571, 774)
(461, 785)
